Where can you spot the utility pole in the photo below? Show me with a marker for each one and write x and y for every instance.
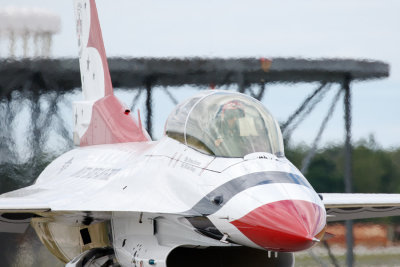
(348, 166)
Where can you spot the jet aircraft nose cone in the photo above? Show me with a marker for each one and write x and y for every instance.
(287, 225)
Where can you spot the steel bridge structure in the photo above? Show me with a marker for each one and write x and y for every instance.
(43, 82)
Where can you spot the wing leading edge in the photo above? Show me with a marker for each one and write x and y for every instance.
(16, 213)
(342, 206)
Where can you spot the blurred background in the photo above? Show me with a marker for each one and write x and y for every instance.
(36, 117)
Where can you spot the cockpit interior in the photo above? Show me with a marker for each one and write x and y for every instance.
(225, 124)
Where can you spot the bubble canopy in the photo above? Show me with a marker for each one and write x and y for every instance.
(225, 124)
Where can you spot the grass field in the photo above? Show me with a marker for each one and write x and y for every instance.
(383, 256)
(27, 251)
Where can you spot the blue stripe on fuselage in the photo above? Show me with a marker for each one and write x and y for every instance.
(226, 191)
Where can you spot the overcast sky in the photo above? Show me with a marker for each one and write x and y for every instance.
(361, 29)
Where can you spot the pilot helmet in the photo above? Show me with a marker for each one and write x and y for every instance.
(232, 109)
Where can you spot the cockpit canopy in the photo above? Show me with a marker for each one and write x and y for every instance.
(225, 124)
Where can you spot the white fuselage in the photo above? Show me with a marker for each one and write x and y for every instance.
(167, 178)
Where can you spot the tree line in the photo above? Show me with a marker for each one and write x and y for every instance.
(374, 169)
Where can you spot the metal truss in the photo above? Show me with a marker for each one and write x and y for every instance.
(41, 86)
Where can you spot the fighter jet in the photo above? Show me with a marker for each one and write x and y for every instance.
(215, 190)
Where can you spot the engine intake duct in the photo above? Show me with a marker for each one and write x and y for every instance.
(94, 257)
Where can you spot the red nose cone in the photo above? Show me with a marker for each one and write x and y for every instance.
(287, 225)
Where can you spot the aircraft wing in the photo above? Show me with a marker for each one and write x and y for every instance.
(16, 213)
(18, 207)
(342, 206)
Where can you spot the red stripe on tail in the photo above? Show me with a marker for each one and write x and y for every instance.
(96, 41)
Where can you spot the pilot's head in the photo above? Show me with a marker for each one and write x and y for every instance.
(231, 112)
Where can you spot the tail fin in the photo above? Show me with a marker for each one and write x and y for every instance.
(100, 118)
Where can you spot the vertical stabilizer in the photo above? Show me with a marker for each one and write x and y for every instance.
(100, 118)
